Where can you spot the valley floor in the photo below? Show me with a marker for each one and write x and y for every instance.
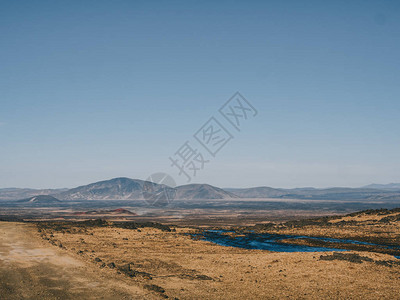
(104, 261)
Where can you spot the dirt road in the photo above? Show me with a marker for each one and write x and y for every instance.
(32, 269)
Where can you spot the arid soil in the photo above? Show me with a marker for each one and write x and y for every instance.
(169, 263)
(31, 268)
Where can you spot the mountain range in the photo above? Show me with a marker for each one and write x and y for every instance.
(135, 189)
(390, 186)
(17, 193)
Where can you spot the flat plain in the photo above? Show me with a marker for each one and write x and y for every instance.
(107, 259)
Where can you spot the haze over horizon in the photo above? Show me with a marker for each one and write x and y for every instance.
(222, 187)
(93, 92)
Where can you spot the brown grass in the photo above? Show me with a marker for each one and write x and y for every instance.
(181, 267)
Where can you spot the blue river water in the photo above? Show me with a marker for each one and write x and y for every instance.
(273, 242)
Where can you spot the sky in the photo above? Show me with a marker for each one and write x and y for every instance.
(91, 90)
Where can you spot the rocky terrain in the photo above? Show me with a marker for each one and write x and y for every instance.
(175, 262)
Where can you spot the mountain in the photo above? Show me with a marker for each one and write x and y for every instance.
(134, 189)
(390, 186)
(16, 193)
(201, 191)
(113, 189)
(41, 199)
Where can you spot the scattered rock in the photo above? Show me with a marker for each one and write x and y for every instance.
(351, 257)
(156, 288)
(127, 270)
(203, 277)
(387, 263)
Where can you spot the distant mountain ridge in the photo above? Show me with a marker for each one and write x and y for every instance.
(202, 191)
(16, 193)
(336, 193)
(389, 186)
(257, 192)
(41, 199)
(134, 189)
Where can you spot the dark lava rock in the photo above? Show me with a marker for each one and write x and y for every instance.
(127, 270)
(111, 265)
(203, 277)
(154, 288)
(387, 263)
(354, 258)
(97, 259)
(264, 226)
(390, 219)
(134, 225)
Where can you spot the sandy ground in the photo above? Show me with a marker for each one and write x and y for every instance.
(33, 269)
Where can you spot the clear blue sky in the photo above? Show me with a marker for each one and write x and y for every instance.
(91, 90)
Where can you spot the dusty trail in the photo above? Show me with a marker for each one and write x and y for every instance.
(32, 269)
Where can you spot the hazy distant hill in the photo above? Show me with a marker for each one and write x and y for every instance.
(201, 191)
(318, 194)
(41, 199)
(258, 192)
(390, 186)
(16, 193)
